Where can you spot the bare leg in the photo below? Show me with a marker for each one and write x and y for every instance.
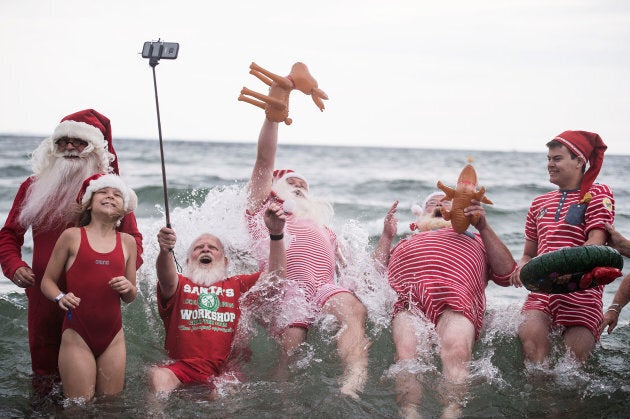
(110, 366)
(352, 344)
(534, 336)
(580, 341)
(457, 337)
(290, 340)
(77, 366)
(408, 389)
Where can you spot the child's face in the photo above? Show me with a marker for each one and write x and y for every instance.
(108, 199)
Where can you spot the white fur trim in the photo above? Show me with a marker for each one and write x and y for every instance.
(571, 147)
(81, 130)
(130, 200)
(293, 174)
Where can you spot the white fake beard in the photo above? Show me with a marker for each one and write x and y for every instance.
(431, 222)
(302, 205)
(205, 276)
(51, 198)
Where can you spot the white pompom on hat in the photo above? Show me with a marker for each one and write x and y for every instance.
(99, 181)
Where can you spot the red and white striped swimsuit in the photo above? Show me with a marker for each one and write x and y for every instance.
(548, 226)
(440, 269)
(311, 251)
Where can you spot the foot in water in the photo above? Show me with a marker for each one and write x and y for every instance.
(353, 382)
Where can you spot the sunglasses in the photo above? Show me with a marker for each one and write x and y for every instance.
(63, 142)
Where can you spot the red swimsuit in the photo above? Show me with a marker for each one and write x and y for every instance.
(98, 318)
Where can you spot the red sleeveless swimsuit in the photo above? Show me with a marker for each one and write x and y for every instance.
(98, 318)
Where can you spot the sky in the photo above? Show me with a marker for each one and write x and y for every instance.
(481, 75)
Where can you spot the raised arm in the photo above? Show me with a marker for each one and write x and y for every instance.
(259, 185)
(275, 219)
(390, 227)
(165, 264)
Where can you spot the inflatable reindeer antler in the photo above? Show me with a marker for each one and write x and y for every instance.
(276, 103)
(465, 191)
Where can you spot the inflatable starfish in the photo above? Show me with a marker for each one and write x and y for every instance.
(460, 196)
(276, 103)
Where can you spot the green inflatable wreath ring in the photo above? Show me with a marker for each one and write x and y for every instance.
(541, 273)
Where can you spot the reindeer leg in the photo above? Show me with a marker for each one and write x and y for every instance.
(261, 77)
(254, 102)
(281, 81)
(271, 101)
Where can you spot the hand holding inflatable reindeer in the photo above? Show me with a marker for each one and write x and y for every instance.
(465, 190)
(276, 103)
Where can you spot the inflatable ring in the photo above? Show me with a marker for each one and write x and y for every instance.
(589, 266)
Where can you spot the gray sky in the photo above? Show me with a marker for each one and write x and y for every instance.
(495, 75)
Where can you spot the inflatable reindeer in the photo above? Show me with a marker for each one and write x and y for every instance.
(276, 103)
(465, 191)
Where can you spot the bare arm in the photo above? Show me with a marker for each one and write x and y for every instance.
(275, 220)
(126, 285)
(529, 252)
(390, 227)
(165, 264)
(617, 241)
(499, 257)
(596, 236)
(259, 185)
(621, 298)
(56, 264)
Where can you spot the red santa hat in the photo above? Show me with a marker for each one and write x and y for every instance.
(99, 181)
(92, 127)
(590, 148)
(283, 174)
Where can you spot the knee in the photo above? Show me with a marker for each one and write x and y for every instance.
(357, 311)
(456, 352)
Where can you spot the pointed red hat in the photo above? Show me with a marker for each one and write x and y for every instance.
(590, 147)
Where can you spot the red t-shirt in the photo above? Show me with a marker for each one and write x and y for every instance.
(200, 322)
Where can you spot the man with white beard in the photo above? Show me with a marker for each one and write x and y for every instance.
(201, 308)
(312, 252)
(80, 146)
(440, 277)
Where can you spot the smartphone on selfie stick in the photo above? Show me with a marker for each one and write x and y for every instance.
(154, 51)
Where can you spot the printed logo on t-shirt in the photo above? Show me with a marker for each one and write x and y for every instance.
(209, 301)
(542, 213)
(608, 204)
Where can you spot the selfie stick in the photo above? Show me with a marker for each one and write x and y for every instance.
(154, 51)
(153, 62)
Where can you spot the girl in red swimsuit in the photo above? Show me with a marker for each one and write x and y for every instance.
(100, 267)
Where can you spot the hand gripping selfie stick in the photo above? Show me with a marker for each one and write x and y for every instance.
(154, 51)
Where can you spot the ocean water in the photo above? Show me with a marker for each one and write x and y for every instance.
(206, 181)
